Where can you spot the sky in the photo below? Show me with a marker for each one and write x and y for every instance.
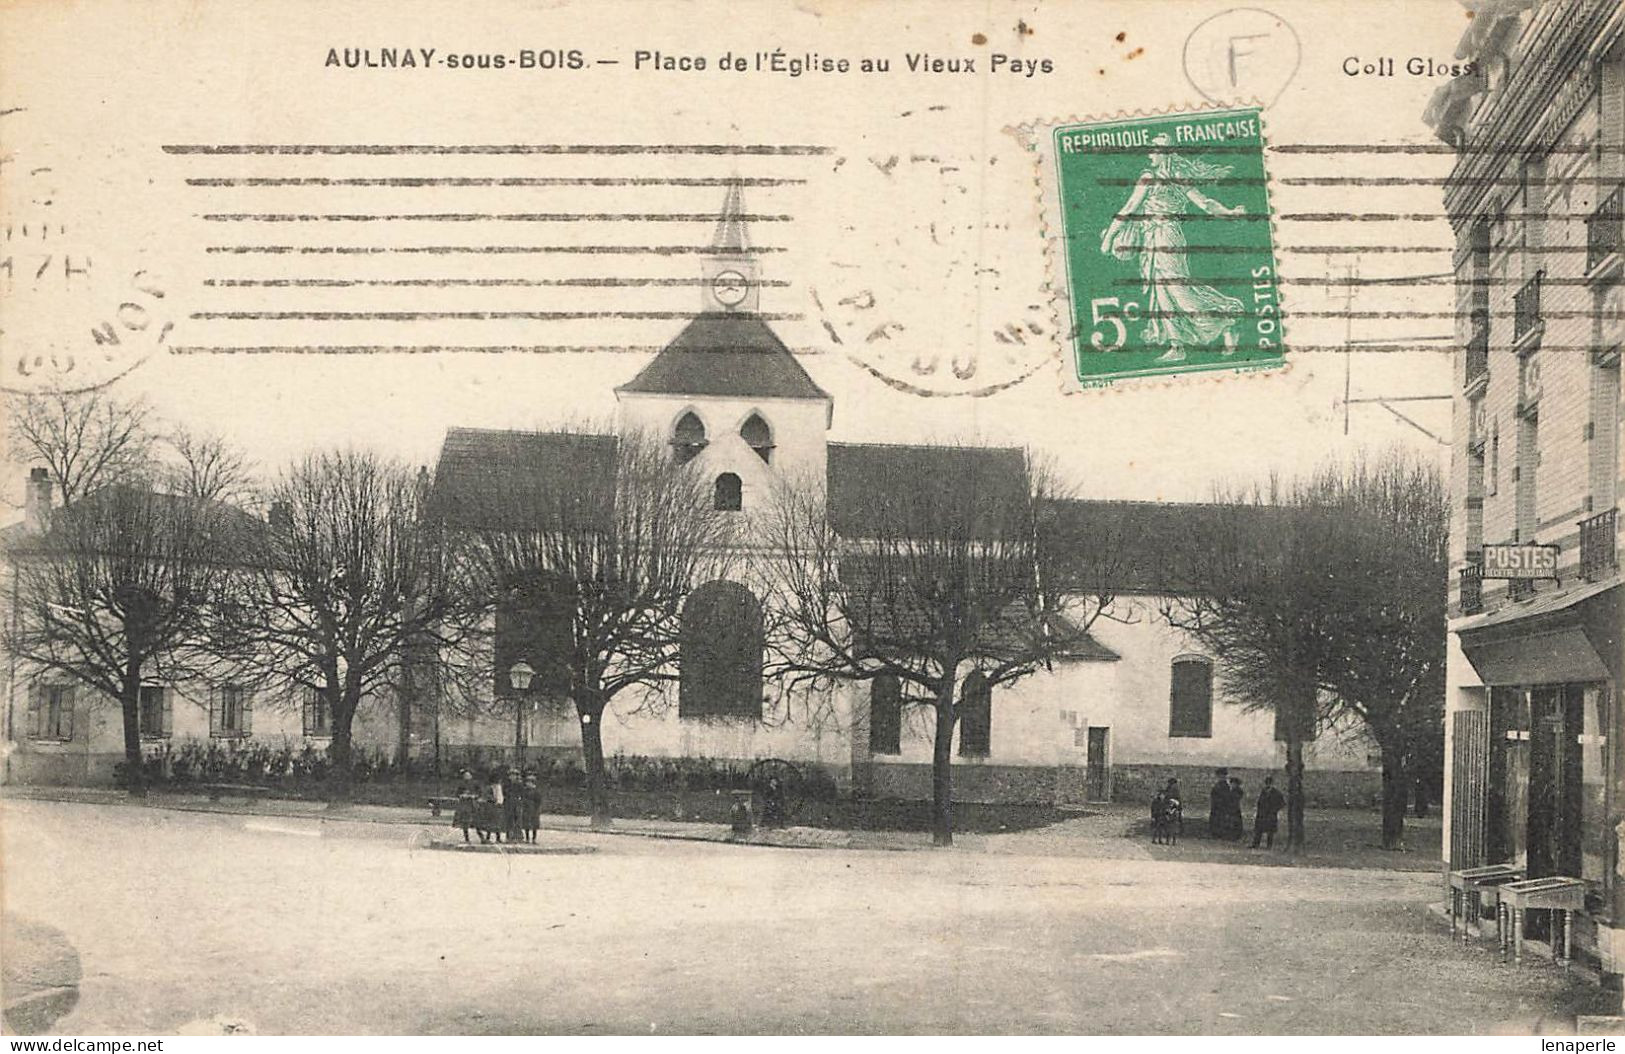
(898, 214)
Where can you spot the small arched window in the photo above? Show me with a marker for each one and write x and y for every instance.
(1190, 697)
(975, 716)
(885, 715)
(758, 436)
(688, 437)
(730, 496)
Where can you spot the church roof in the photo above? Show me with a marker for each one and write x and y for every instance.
(726, 354)
(1147, 547)
(494, 479)
(870, 484)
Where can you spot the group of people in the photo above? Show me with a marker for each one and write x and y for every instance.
(1224, 817)
(507, 804)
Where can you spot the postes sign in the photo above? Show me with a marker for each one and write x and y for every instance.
(1520, 561)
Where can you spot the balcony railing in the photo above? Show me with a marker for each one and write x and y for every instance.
(1599, 545)
(1605, 228)
(1526, 308)
(1472, 589)
(1478, 355)
(1520, 588)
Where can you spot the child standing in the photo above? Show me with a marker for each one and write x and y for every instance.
(533, 807)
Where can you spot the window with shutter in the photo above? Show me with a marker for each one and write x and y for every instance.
(214, 711)
(885, 715)
(247, 711)
(150, 711)
(64, 713)
(36, 721)
(1190, 698)
(169, 711)
(975, 717)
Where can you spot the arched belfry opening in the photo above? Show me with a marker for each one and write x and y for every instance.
(758, 436)
(688, 437)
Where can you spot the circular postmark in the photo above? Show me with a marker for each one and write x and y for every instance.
(1240, 54)
(924, 283)
(76, 316)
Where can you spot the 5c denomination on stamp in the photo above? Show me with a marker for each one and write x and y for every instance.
(1161, 246)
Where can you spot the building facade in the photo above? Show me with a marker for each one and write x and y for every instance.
(1535, 768)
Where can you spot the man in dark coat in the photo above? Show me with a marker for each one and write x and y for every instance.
(1265, 820)
(1218, 804)
(1234, 826)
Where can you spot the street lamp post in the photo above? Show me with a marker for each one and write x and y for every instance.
(520, 676)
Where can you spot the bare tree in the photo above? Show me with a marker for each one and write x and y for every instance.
(1323, 601)
(1390, 564)
(206, 465)
(86, 440)
(352, 580)
(949, 573)
(1255, 598)
(595, 546)
(114, 592)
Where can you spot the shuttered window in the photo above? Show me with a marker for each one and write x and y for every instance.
(975, 717)
(230, 711)
(1190, 698)
(318, 718)
(155, 711)
(50, 711)
(885, 715)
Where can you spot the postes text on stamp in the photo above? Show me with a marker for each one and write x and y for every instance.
(1164, 258)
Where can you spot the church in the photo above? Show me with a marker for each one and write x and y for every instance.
(1129, 705)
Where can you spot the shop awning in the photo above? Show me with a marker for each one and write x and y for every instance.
(1551, 639)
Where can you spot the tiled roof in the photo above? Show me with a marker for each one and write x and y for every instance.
(727, 354)
(495, 479)
(1144, 547)
(871, 484)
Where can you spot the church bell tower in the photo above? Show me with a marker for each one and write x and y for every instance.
(731, 278)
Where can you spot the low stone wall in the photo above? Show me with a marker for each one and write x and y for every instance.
(76, 769)
(1012, 784)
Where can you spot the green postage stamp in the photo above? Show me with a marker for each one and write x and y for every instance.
(1162, 254)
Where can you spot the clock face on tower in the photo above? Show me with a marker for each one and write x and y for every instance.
(730, 288)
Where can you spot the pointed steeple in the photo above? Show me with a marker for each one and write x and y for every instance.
(730, 236)
(730, 277)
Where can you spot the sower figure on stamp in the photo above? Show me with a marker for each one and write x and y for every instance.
(1266, 819)
(1180, 312)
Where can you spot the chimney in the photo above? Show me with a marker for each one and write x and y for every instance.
(37, 501)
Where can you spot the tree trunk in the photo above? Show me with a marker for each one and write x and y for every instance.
(340, 752)
(1395, 792)
(942, 772)
(1294, 791)
(592, 758)
(135, 779)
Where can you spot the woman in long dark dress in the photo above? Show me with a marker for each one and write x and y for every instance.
(468, 802)
(490, 811)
